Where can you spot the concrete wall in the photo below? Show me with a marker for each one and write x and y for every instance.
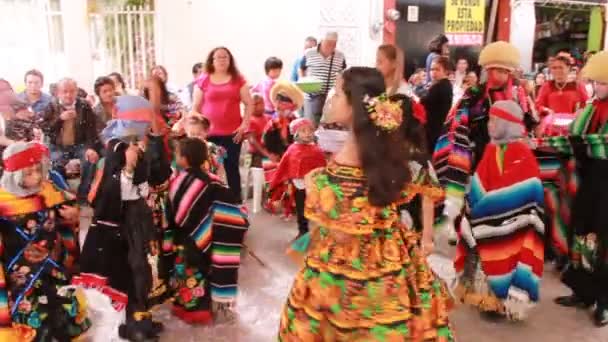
(255, 30)
(186, 30)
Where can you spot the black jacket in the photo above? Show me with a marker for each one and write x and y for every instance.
(85, 129)
(437, 104)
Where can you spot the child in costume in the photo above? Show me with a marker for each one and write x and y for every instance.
(300, 158)
(207, 228)
(196, 126)
(288, 99)
(587, 274)
(34, 214)
(500, 252)
(465, 132)
(257, 124)
(122, 234)
(365, 275)
(135, 116)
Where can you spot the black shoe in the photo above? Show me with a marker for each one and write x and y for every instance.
(492, 316)
(139, 331)
(600, 317)
(571, 302)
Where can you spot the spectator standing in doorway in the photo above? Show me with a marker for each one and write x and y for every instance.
(462, 68)
(33, 94)
(324, 63)
(437, 47)
(309, 43)
(438, 100)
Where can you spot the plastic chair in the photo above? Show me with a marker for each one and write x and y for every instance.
(255, 178)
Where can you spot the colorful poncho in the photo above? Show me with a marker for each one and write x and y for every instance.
(465, 136)
(505, 209)
(298, 160)
(33, 263)
(205, 236)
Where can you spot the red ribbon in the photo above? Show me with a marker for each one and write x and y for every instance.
(26, 158)
(503, 114)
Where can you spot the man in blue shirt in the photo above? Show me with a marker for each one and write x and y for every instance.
(310, 42)
(33, 95)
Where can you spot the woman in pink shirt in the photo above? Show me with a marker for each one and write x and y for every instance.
(218, 96)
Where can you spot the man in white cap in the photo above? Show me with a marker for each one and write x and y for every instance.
(323, 63)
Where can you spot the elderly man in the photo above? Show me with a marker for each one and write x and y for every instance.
(324, 63)
(71, 126)
(33, 95)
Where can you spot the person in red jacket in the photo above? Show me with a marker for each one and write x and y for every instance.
(560, 95)
(300, 158)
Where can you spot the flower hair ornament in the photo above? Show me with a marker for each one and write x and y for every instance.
(384, 113)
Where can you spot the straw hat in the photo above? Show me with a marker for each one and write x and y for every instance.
(596, 68)
(288, 90)
(500, 55)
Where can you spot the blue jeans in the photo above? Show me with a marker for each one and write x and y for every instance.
(61, 155)
(231, 163)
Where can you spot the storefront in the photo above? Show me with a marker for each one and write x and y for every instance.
(465, 22)
(541, 28)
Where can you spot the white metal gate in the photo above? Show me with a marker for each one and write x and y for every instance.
(123, 41)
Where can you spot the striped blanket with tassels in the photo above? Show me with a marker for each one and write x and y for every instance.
(505, 203)
(207, 231)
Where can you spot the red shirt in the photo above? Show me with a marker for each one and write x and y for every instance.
(567, 100)
(257, 124)
(221, 104)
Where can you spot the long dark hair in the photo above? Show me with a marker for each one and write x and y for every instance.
(232, 69)
(437, 43)
(413, 131)
(164, 93)
(119, 78)
(384, 155)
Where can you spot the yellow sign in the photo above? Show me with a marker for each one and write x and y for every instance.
(465, 21)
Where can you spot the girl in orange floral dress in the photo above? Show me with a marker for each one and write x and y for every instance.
(365, 275)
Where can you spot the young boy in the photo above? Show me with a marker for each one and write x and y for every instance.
(273, 67)
(258, 122)
(209, 228)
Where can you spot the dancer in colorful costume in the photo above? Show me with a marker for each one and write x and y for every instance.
(587, 274)
(207, 230)
(300, 158)
(365, 276)
(288, 99)
(500, 253)
(122, 234)
(465, 136)
(34, 214)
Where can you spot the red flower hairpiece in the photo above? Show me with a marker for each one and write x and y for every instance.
(384, 113)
